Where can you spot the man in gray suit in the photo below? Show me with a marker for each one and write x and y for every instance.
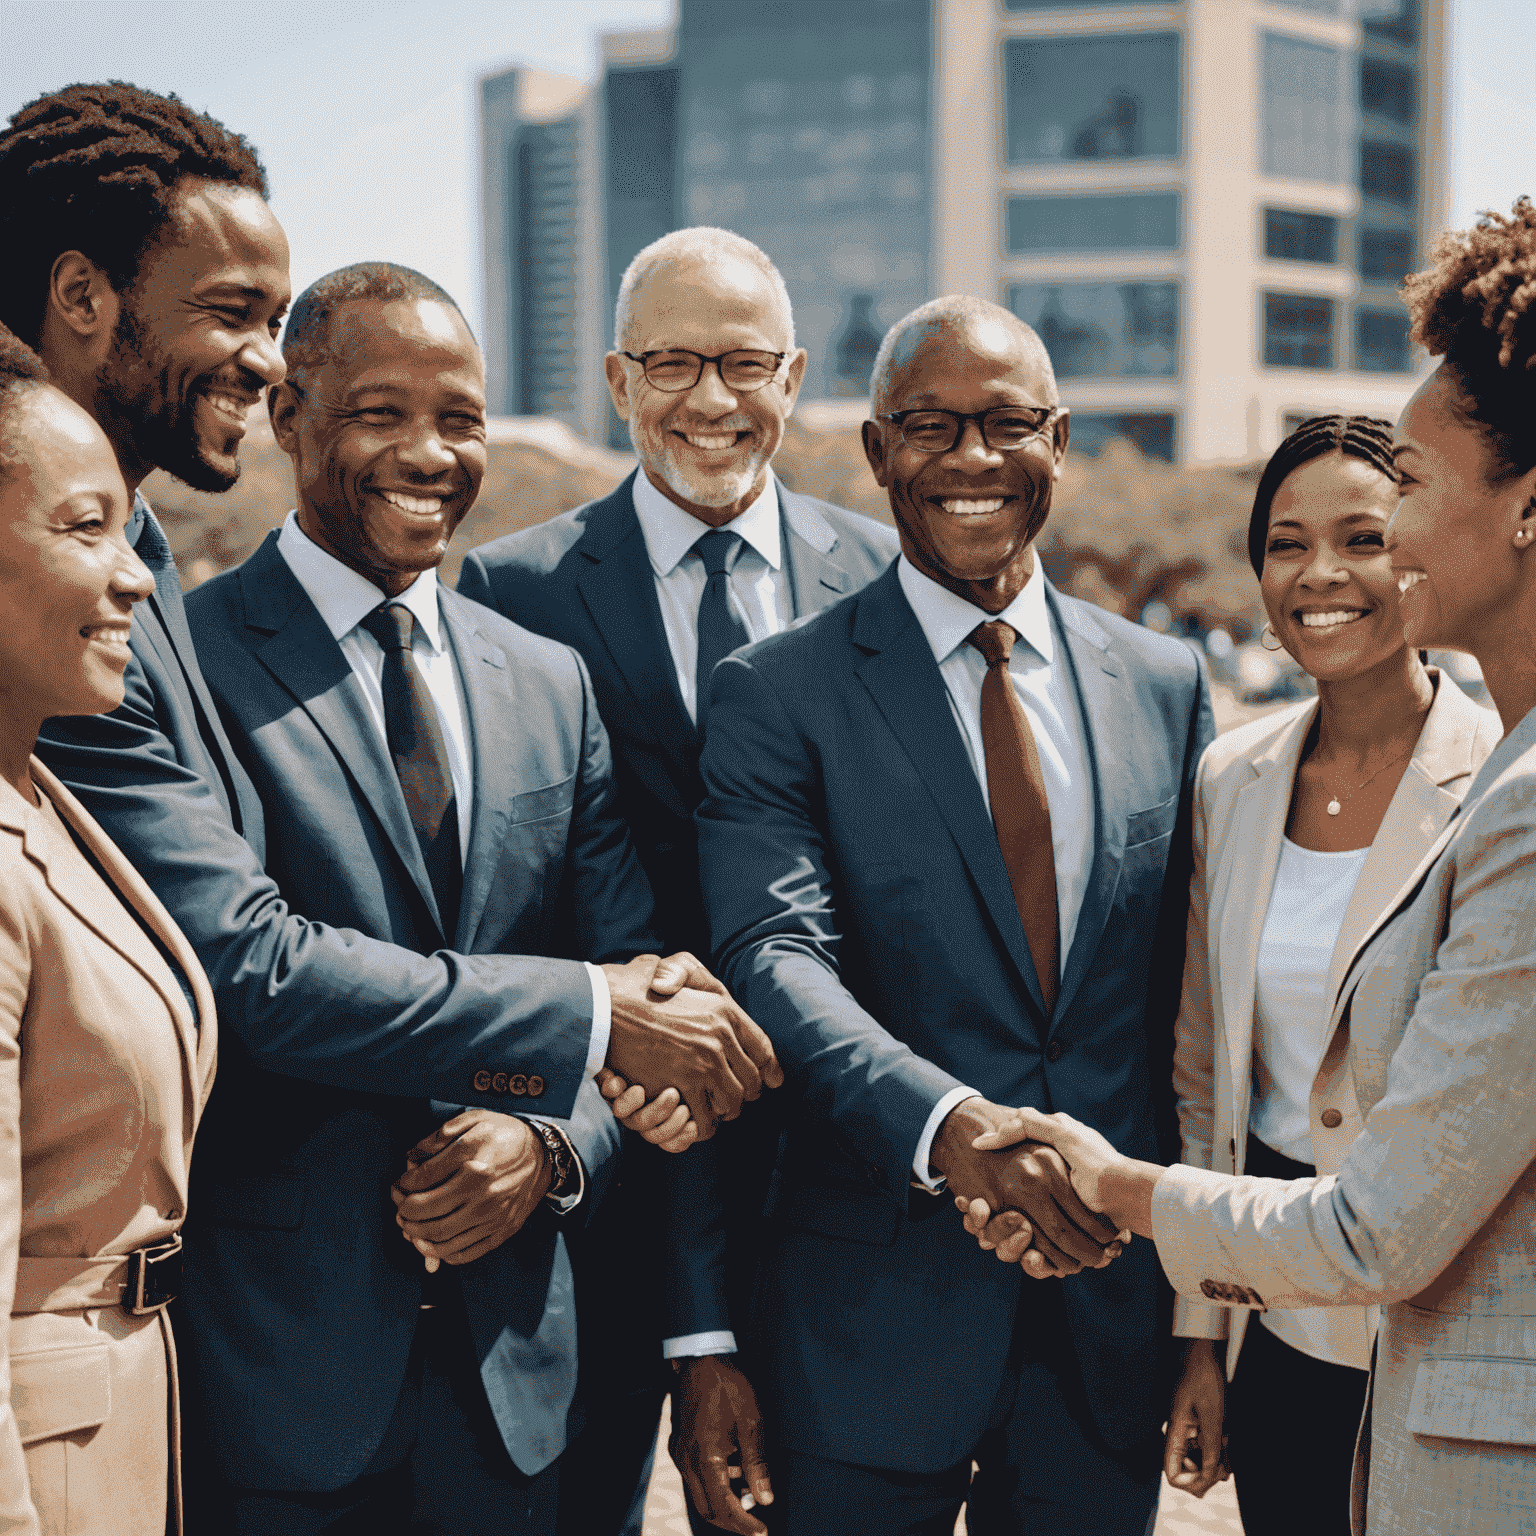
(701, 550)
(432, 775)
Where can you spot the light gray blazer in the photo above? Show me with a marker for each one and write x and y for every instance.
(1432, 1214)
(1242, 798)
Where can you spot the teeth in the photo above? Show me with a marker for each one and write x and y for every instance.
(228, 404)
(957, 508)
(1331, 620)
(1409, 579)
(418, 504)
(711, 444)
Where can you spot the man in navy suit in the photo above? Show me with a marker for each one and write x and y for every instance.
(705, 371)
(432, 775)
(944, 855)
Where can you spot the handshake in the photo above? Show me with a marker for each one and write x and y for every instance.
(1042, 1191)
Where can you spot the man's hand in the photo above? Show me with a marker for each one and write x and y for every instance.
(686, 1034)
(989, 1171)
(664, 1122)
(1199, 1405)
(470, 1185)
(717, 1435)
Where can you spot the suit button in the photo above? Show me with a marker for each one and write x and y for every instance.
(1053, 1050)
(1332, 1119)
(535, 1087)
(499, 1083)
(482, 1081)
(517, 1085)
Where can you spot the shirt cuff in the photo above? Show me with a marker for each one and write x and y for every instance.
(922, 1175)
(721, 1342)
(602, 1019)
(563, 1203)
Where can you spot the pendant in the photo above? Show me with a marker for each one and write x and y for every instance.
(1334, 807)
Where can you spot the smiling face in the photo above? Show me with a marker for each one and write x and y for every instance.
(968, 518)
(195, 341)
(68, 578)
(1328, 585)
(1463, 575)
(387, 436)
(706, 449)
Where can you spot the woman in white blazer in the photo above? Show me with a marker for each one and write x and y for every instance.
(1432, 1211)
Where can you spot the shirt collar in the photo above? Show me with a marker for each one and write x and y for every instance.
(671, 532)
(947, 619)
(343, 597)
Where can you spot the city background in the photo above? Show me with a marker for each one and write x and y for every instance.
(1203, 207)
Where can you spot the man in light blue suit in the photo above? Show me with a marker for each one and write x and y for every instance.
(944, 853)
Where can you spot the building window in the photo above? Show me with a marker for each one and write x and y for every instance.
(1092, 98)
(1150, 431)
(1140, 221)
(1103, 330)
(1395, 20)
(544, 199)
(1387, 91)
(1386, 172)
(1308, 119)
(1298, 331)
(1381, 340)
(1385, 254)
(1292, 236)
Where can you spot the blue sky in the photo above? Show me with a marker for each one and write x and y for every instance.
(364, 113)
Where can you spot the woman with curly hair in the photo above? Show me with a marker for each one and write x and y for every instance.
(1432, 1212)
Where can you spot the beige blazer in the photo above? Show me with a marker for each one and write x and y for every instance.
(1432, 1213)
(103, 1075)
(1242, 799)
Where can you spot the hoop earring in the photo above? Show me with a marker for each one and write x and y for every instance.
(1269, 630)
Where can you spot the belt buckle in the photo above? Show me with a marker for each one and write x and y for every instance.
(154, 1278)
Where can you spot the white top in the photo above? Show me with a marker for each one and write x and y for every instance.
(1290, 1035)
(343, 598)
(1044, 687)
(757, 580)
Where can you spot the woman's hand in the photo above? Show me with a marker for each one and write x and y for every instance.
(1196, 1415)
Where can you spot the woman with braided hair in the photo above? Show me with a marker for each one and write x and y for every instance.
(1430, 1212)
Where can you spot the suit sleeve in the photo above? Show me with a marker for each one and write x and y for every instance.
(771, 898)
(308, 1000)
(1454, 1132)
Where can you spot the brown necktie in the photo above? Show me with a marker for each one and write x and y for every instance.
(1020, 812)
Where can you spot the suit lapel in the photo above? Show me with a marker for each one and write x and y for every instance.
(809, 541)
(619, 589)
(302, 656)
(903, 679)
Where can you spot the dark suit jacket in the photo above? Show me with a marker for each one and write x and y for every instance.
(862, 914)
(296, 1242)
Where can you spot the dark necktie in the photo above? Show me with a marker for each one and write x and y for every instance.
(721, 630)
(421, 758)
(1020, 811)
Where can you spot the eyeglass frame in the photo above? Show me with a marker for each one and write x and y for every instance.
(703, 361)
(1052, 414)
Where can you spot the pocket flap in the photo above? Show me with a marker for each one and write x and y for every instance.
(59, 1391)
(1475, 1397)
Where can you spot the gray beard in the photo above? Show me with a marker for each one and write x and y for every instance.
(722, 490)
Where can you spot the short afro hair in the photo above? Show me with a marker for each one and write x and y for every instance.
(307, 335)
(21, 371)
(94, 168)
(1356, 437)
(1476, 308)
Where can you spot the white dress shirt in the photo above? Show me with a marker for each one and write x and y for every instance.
(758, 583)
(343, 598)
(1044, 688)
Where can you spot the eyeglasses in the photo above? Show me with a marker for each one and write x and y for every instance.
(1003, 430)
(677, 369)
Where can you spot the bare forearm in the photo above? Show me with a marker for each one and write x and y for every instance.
(1125, 1194)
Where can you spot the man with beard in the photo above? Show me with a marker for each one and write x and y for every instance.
(702, 549)
(142, 261)
(944, 852)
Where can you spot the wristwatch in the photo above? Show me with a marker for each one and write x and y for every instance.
(564, 1180)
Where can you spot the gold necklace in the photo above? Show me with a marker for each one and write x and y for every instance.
(1335, 804)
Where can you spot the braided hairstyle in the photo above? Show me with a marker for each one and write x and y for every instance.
(1359, 437)
(1476, 307)
(93, 168)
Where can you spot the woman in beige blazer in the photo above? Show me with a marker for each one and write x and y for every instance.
(105, 1064)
